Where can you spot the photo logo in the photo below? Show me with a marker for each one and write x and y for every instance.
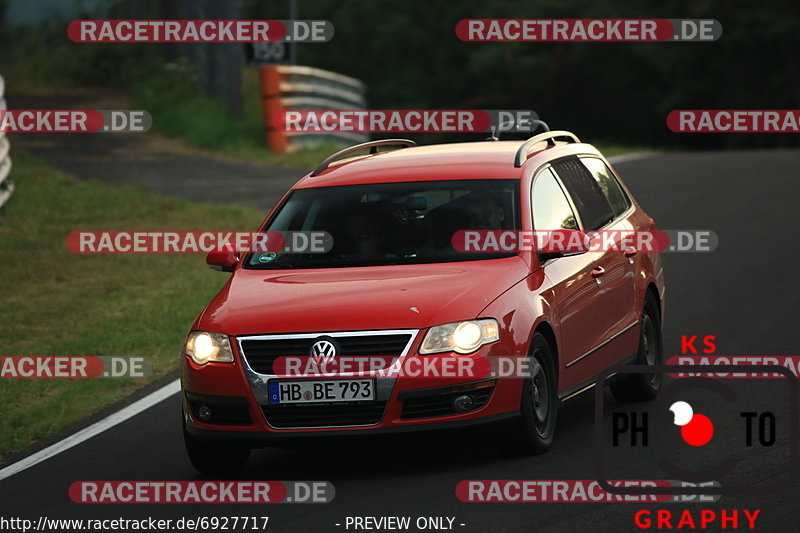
(696, 429)
(724, 424)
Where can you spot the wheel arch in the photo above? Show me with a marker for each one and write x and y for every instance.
(549, 335)
(653, 290)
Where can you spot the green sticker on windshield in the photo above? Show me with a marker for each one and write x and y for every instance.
(267, 257)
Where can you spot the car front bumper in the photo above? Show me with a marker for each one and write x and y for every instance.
(239, 409)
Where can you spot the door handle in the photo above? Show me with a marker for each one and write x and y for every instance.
(597, 272)
(630, 252)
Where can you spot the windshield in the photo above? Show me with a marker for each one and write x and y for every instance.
(392, 223)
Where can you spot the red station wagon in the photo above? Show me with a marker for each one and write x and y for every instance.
(393, 285)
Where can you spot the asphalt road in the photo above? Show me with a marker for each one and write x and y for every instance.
(746, 293)
(150, 161)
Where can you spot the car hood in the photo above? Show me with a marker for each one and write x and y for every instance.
(343, 299)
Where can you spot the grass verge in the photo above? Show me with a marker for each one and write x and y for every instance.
(58, 303)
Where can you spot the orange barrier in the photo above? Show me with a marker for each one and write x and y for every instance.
(285, 87)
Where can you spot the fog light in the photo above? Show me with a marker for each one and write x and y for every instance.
(463, 403)
(204, 413)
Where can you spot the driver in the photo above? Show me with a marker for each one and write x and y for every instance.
(486, 212)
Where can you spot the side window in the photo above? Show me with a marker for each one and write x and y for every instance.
(608, 184)
(592, 205)
(551, 210)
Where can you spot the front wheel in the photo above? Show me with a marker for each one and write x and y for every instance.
(643, 387)
(215, 457)
(533, 434)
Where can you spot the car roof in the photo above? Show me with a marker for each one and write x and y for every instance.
(466, 160)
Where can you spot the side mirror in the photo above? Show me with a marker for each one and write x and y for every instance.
(563, 243)
(222, 260)
(546, 256)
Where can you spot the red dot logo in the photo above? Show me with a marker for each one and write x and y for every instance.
(696, 429)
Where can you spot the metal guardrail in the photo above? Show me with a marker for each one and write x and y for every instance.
(290, 87)
(332, 88)
(6, 184)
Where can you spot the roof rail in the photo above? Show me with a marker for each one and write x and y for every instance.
(373, 149)
(550, 137)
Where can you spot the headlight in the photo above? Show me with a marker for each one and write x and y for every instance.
(205, 346)
(461, 337)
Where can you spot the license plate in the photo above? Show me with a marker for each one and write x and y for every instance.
(310, 391)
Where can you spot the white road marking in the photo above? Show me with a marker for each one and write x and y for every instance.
(95, 429)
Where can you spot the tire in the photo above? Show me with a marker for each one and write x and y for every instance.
(215, 457)
(644, 387)
(533, 434)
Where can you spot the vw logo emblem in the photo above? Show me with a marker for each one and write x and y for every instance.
(323, 350)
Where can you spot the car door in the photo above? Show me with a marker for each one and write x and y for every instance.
(575, 292)
(621, 258)
(611, 269)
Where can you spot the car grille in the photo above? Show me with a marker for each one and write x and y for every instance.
(442, 404)
(331, 415)
(261, 353)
